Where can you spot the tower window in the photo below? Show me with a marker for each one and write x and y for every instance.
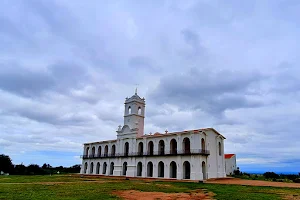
(129, 110)
(139, 111)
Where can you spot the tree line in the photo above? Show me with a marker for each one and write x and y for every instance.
(269, 176)
(6, 166)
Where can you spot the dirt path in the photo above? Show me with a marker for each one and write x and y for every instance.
(136, 195)
(237, 181)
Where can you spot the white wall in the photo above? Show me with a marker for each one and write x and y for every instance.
(230, 165)
(214, 163)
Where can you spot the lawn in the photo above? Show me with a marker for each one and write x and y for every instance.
(74, 187)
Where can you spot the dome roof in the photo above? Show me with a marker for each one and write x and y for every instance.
(135, 97)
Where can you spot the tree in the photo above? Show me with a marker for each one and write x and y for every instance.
(270, 175)
(34, 169)
(46, 166)
(6, 164)
(20, 169)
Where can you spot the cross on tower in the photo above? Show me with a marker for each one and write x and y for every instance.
(166, 131)
(136, 88)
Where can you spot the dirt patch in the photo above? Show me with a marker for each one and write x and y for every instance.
(135, 195)
(237, 181)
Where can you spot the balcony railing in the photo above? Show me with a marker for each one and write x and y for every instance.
(154, 153)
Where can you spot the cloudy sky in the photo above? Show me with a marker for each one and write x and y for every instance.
(66, 67)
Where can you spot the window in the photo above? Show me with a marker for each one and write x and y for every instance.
(93, 152)
(112, 166)
(139, 111)
(186, 145)
(186, 170)
(104, 168)
(150, 169)
(161, 147)
(129, 110)
(126, 149)
(140, 149)
(124, 168)
(173, 146)
(98, 168)
(113, 150)
(220, 149)
(87, 151)
(139, 169)
(99, 151)
(150, 148)
(161, 169)
(106, 151)
(92, 168)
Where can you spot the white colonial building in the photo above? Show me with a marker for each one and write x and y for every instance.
(230, 163)
(192, 154)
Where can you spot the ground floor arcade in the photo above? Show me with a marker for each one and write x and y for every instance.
(177, 168)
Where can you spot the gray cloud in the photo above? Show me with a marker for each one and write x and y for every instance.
(20, 80)
(210, 90)
(66, 67)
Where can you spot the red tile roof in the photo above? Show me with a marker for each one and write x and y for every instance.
(228, 156)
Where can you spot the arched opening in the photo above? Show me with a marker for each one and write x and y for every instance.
(126, 149)
(139, 169)
(202, 144)
(186, 170)
(150, 169)
(106, 151)
(173, 147)
(92, 168)
(150, 148)
(104, 168)
(161, 169)
(99, 151)
(85, 168)
(112, 166)
(93, 152)
(220, 149)
(161, 147)
(186, 144)
(129, 110)
(204, 170)
(124, 168)
(141, 149)
(173, 170)
(98, 168)
(139, 111)
(113, 150)
(87, 151)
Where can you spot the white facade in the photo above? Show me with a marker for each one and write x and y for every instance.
(230, 163)
(194, 154)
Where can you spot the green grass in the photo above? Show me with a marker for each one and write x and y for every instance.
(74, 187)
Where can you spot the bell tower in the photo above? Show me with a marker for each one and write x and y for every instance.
(134, 115)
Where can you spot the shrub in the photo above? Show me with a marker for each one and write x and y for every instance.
(297, 180)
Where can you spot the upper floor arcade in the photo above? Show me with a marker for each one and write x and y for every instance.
(195, 142)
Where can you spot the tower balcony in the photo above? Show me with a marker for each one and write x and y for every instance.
(202, 152)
